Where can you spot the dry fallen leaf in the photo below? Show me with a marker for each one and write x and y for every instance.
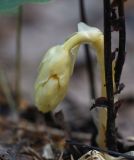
(96, 155)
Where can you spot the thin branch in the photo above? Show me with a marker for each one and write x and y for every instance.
(110, 133)
(89, 62)
(18, 55)
(122, 41)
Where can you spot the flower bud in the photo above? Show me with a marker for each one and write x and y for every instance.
(54, 75)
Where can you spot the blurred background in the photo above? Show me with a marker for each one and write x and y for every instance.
(50, 24)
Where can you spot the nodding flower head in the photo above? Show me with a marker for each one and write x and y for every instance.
(54, 73)
(57, 66)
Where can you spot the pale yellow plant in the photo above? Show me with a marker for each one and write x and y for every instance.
(56, 69)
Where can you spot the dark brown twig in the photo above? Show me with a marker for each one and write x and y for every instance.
(122, 42)
(111, 132)
(89, 62)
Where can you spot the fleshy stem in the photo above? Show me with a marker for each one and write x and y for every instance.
(96, 39)
(88, 56)
(18, 55)
(110, 132)
(77, 39)
(85, 37)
